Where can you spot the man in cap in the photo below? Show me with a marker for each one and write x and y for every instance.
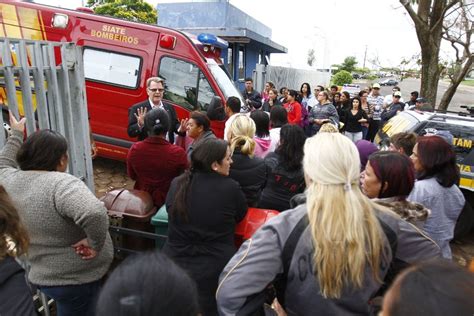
(375, 101)
(389, 97)
(394, 108)
(422, 105)
(411, 103)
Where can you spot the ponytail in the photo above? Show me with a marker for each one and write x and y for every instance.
(242, 132)
(157, 122)
(245, 144)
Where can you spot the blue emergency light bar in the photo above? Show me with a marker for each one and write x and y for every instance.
(211, 39)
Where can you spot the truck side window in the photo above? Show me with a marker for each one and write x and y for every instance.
(462, 137)
(112, 68)
(186, 85)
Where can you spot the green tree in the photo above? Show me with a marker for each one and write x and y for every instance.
(132, 10)
(342, 77)
(349, 64)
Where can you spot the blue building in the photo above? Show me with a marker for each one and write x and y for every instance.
(249, 40)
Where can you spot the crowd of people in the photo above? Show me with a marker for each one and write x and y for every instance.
(356, 224)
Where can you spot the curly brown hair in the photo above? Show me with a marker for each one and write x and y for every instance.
(13, 235)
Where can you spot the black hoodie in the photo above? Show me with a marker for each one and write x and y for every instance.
(15, 295)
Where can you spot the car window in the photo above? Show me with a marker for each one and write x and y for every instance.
(186, 85)
(463, 136)
(402, 122)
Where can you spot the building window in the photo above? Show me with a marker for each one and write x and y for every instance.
(241, 63)
(185, 84)
(111, 68)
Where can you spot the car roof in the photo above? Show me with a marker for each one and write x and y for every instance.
(449, 118)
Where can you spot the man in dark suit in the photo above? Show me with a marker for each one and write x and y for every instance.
(136, 114)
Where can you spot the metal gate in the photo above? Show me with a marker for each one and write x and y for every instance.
(44, 81)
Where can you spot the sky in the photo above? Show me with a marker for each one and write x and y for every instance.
(367, 29)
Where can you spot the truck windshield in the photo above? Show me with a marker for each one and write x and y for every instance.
(224, 82)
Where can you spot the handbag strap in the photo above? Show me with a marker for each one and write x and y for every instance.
(287, 255)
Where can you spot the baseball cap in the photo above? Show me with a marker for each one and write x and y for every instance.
(397, 94)
(422, 100)
(375, 85)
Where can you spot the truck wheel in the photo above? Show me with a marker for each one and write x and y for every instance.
(465, 222)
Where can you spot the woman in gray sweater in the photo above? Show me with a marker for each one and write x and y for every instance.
(70, 247)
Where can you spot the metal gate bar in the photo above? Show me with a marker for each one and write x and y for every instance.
(44, 81)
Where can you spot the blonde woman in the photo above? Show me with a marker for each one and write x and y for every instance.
(249, 171)
(340, 254)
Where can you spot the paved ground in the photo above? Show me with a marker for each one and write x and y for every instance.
(464, 94)
(110, 174)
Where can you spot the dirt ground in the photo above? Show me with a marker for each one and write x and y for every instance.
(110, 174)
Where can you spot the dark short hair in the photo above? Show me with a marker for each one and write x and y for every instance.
(148, 284)
(283, 89)
(201, 119)
(362, 92)
(157, 122)
(395, 169)
(248, 79)
(42, 150)
(334, 87)
(396, 88)
(234, 104)
(278, 116)
(404, 140)
(415, 93)
(262, 123)
(438, 160)
(438, 287)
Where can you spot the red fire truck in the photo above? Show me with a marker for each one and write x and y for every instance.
(118, 58)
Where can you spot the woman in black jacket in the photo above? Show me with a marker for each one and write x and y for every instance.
(285, 170)
(16, 298)
(249, 171)
(353, 120)
(204, 205)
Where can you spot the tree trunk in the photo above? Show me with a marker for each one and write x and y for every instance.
(457, 78)
(430, 70)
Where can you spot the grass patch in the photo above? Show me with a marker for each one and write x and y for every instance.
(468, 83)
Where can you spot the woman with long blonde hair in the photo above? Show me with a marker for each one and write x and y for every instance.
(326, 257)
(249, 171)
(341, 256)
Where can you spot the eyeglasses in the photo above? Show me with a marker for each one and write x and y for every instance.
(154, 90)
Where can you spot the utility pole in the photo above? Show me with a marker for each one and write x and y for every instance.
(365, 55)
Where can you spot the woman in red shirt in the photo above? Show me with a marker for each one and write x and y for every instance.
(154, 162)
(293, 108)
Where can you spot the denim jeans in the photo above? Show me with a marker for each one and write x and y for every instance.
(74, 300)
